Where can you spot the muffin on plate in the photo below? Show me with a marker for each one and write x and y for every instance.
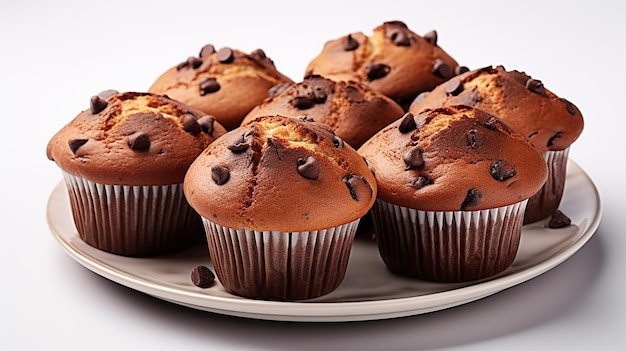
(453, 184)
(393, 61)
(280, 199)
(225, 83)
(550, 122)
(350, 109)
(123, 161)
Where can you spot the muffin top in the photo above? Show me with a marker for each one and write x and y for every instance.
(226, 83)
(522, 102)
(133, 138)
(393, 61)
(453, 158)
(353, 111)
(282, 174)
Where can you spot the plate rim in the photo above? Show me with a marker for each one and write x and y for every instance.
(325, 311)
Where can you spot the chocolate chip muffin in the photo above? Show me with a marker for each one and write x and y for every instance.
(393, 61)
(281, 199)
(551, 123)
(453, 184)
(123, 161)
(225, 83)
(352, 110)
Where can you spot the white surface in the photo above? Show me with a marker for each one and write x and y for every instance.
(368, 292)
(54, 57)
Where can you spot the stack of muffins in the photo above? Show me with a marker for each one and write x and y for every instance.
(277, 174)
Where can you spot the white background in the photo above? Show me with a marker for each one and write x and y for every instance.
(55, 55)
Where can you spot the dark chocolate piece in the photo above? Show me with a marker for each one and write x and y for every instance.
(400, 38)
(377, 70)
(460, 70)
(225, 55)
(207, 50)
(472, 198)
(502, 170)
(408, 123)
(350, 43)
(308, 168)
(454, 87)
(105, 94)
(194, 62)
(97, 104)
(239, 144)
(76, 143)
(414, 157)
(536, 86)
(356, 185)
(441, 69)
(190, 125)
(302, 102)
(431, 37)
(421, 182)
(337, 142)
(207, 124)
(219, 174)
(472, 138)
(209, 85)
(139, 141)
(553, 138)
(491, 123)
(202, 276)
(559, 220)
(569, 106)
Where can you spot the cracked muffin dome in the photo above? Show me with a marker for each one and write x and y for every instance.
(133, 138)
(454, 158)
(550, 122)
(226, 83)
(353, 111)
(393, 61)
(283, 174)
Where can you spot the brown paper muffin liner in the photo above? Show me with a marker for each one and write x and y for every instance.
(543, 204)
(132, 220)
(451, 246)
(282, 266)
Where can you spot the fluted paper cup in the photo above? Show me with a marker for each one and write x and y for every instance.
(132, 220)
(282, 266)
(543, 204)
(448, 246)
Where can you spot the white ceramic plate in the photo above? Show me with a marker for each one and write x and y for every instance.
(369, 291)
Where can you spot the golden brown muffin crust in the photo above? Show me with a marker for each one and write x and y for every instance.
(352, 110)
(133, 139)
(522, 102)
(280, 173)
(226, 83)
(453, 158)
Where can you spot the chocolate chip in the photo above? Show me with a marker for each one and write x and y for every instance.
(502, 170)
(536, 86)
(337, 142)
(225, 55)
(349, 43)
(419, 98)
(308, 168)
(108, 93)
(209, 85)
(76, 143)
(559, 220)
(97, 104)
(139, 141)
(414, 157)
(408, 123)
(202, 276)
(431, 37)
(400, 38)
(302, 102)
(358, 187)
(570, 107)
(207, 50)
(190, 125)
(472, 138)
(376, 70)
(460, 70)
(207, 124)
(259, 53)
(238, 144)
(319, 94)
(194, 62)
(553, 138)
(491, 123)
(441, 69)
(472, 198)
(454, 87)
(219, 174)
(421, 182)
